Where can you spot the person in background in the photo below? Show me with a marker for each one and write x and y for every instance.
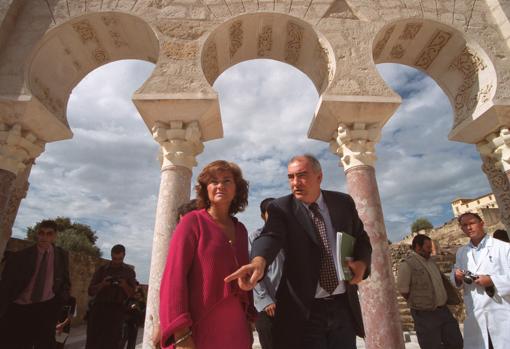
(482, 269)
(428, 291)
(264, 293)
(134, 318)
(63, 327)
(111, 285)
(35, 283)
(501, 234)
(197, 308)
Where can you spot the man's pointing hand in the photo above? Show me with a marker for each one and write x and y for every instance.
(248, 275)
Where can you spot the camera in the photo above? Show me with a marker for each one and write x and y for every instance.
(113, 280)
(469, 277)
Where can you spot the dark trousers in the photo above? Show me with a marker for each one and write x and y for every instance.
(330, 326)
(104, 326)
(264, 325)
(30, 326)
(129, 334)
(437, 329)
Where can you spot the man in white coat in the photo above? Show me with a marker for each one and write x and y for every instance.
(487, 293)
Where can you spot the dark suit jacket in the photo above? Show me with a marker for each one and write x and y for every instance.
(290, 227)
(19, 268)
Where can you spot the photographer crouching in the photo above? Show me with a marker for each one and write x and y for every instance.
(111, 285)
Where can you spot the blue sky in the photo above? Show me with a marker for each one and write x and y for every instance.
(107, 176)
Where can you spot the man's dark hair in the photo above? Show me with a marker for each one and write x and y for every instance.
(118, 249)
(476, 215)
(48, 224)
(185, 208)
(419, 240)
(501, 234)
(264, 204)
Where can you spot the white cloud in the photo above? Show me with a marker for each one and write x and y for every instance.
(107, 176)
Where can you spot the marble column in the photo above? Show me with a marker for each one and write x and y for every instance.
(355, 144)
(180, 143)
(18, 148)
(495, 154)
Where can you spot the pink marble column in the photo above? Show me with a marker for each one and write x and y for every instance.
(18, 193)
(378, 295)
(7, 179)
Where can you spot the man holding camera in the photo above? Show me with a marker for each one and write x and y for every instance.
(482, 269)
(428, 291)
(111, 285)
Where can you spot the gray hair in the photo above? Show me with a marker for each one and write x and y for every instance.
(316, 165)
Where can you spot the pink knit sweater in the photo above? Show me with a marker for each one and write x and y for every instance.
(193, 292)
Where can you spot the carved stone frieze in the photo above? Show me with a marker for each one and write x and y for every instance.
(379, 47)
(180, 50)
(500, 186)
(410, 31)
(17, 147)
(109, 20)
(323, 65)
(236, 37)
(397, 51)
(44, 94)
(469, 64)
(355, 144)
(265, 41)
(118, 41)
(180, 142)
(85, 31)
(210, 62)
(294, 42)
(432, 49)
(100, 55)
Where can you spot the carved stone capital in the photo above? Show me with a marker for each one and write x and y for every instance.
(497, 146)
(355, 144)
(180, 142)
(18, 147)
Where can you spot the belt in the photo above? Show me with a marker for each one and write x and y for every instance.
(335, 297)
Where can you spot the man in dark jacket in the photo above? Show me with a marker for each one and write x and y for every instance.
(35, 283)
(317, 309)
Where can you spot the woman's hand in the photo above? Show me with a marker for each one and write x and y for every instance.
(186, 344)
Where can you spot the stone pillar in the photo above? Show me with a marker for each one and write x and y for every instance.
(18, 147)
(495, 154)
(355, 144)
(180, 143)
(18, 192)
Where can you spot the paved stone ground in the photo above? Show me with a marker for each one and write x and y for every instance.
(78, 334)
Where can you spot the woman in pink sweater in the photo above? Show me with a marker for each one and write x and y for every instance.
(198, 310)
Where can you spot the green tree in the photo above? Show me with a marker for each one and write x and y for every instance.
(421, 224)
(71, 236)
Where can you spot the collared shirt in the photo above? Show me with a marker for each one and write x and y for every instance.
(331, 234)
(264, 292)
(477, 250)
(48, 293)
(405, 275)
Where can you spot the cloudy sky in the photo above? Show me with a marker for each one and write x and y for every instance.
(107, 176)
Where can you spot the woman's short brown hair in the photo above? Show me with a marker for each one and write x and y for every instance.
(240, 200)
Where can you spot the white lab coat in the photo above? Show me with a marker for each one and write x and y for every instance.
(485, 313)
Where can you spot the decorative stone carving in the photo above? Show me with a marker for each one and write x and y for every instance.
(469, 64)
(109, 20)
(17, 148)
(265, 41)
(410, 31)
(379, 47)
(118, 41)
(355, 144)
(236, 37)
(85, 30)
(100, 56)
(397, 51)
(210, 62)
(180, 142)
(294, 42)
(44, 94)
(323, 65)
(497, 147)
(180, 50)
(500, 186)
(432, 49)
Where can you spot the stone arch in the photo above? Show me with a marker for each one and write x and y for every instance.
(459, 66)
(255, 35)
(71, 50)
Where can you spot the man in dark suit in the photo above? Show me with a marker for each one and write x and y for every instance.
(35, 283)
(316, 310)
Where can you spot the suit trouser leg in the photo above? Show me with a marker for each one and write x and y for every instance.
(330, 326)
(264, 326)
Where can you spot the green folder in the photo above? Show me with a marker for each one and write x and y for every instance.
(344, 251)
